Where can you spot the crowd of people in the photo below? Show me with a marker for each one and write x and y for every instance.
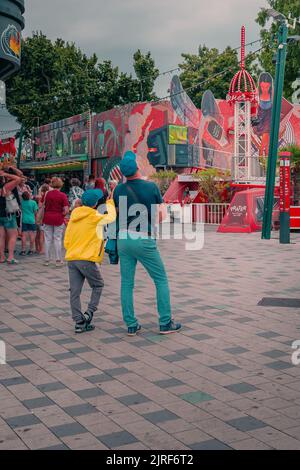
(37, 213)
(65, 211)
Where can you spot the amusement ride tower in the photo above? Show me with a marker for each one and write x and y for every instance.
(243, 95)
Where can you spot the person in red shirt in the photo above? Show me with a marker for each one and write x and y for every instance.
(56, 208)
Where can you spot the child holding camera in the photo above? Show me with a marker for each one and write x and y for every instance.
(84, 250)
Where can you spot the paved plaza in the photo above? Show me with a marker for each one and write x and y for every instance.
(227, 381)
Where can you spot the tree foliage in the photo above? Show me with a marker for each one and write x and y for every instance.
(268, 35)
(147, 73)
(199, 67)
(213, 183)
(163, 179)
(58, 80)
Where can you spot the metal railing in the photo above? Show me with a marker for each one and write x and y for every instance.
(206, 213)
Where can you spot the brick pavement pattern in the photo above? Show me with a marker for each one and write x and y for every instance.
(225, 382)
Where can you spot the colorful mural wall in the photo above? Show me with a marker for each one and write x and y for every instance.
(63, 140)
(145, 128)
(163, 134)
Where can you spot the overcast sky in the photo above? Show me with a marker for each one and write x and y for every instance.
(115, 29)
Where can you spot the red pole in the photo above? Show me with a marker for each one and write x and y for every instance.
(285, 196)
(243, 36)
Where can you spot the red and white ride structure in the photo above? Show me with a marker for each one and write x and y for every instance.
(243, 96)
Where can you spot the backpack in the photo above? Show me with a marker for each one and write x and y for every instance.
(12, 205)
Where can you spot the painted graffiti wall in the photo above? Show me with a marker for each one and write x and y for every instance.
(144, 128)
(164, 134)
(64, 139)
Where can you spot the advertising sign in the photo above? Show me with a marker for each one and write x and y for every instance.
(178, 135)
(11, 25)
(285, 182)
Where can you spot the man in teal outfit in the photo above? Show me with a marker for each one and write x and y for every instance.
(138, 203)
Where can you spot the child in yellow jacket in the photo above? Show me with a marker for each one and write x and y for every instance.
(84, 246)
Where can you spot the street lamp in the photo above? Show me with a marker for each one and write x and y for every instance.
(275, 122)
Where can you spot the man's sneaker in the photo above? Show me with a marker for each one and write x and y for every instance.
(171, 327)
(88, 317)
(83, 327)
(133, 330)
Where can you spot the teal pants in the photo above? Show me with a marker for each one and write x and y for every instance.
(145, 251)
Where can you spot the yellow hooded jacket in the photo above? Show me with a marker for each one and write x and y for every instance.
(84, 234)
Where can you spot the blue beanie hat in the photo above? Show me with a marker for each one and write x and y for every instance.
(91, 197)
(128, 165)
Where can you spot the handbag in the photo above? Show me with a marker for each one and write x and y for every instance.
(111, 248)
(41, 212)
(12, 205)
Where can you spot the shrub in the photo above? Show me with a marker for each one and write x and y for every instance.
(163, 179)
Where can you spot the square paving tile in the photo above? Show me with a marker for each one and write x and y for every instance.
(79, 350)
(63, 341)
(173, 358)
(280, 365)
(70, 429)
(24, 420)
(80, 410)
(113, 339)
(62, 356)
(201, 337)
(160, 416)
(212, 444)
(196, 397)
(279, 302)
(90, 393)
(134, 399)
(14, 381)
(227, 367)
(58, 447)
(168, 383)
(274, 353)
(268, 334)
(236, 350)
(123, 359)
(98, 379)
(243, 319)
(188, 351)
(51, 387)
(118, 439)
(37, 403)
(117, 371)
(20, 362)
(26, 347)
(246, 424)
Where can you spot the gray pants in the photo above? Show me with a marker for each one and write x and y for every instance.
(78, 272)
(53, 235)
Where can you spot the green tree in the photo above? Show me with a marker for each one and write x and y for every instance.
(268, 35)
(204, 65)
(147, 73)
(58, 80)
